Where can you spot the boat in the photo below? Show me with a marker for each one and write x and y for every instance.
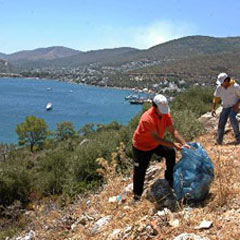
(137, 101)
(49, 106)
(131, 97)
(140, 101)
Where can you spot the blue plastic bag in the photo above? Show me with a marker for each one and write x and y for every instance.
(193, 174)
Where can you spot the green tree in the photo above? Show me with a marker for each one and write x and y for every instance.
(65, 130)
(32, 131)
(87, 129)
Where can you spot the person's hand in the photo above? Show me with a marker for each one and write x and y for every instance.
(186, 146)
(178, 146)
(214, 113)
(236, 108)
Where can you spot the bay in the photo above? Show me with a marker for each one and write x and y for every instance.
(79, 104)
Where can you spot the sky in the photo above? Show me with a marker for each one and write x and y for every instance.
(97, 24)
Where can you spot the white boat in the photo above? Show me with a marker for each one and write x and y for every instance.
(131, 97)
(49, 106)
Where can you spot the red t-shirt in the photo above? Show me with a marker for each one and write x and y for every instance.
(150, 122)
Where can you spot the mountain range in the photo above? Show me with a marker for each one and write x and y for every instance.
(192, 52)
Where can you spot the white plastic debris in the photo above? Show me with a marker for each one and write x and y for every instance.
(164, 212)
(174, 222)
(115, 199)
(188, 236)
(112, 199)
(204, 225)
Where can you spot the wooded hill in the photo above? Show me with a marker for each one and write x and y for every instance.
(192, 58)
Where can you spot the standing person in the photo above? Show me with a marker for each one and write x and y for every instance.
(147, 140)
(229, 93)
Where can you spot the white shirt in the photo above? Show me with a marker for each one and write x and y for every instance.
(229, 96)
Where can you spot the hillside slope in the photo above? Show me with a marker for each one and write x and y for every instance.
(41, 54)
(94, 217)
(178, 49)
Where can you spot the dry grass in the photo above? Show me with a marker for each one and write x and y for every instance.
(222, 207)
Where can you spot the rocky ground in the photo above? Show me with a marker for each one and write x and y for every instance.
(111, 215)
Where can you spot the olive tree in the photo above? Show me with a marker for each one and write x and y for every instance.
(32, 131)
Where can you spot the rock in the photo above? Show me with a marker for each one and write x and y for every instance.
(129, 188)
(211, 122)
(162, 195)
(151, 173)
(128, 229)
(114, 235)
(98, 226)
(190, 236)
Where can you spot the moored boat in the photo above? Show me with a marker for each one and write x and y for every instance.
(49, 106)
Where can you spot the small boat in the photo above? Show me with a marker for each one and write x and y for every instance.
(131, 97)
(137, 101)
(49, 106)
(140, 101)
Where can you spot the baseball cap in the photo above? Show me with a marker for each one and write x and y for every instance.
(221, 77)
(162, 103)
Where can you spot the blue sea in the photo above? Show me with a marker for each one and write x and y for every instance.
(79, 104)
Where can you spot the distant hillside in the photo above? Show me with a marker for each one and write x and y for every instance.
(206, 66)
(42, 54)
(104, 56)
(2, 56)
(5, 67)
(188, 47)
(183, 48)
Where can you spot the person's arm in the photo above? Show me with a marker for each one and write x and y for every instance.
(215, 102)
(164, 142)
(177, 136)
(236, 106)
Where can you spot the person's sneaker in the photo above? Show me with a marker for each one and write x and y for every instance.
(136, 200)
(218, 142)
(237, 142)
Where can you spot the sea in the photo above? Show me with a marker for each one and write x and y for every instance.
(77, 103)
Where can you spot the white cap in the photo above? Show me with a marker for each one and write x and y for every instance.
(221, 77)
(162, 103)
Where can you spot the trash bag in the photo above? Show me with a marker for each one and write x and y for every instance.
(162, 195)
(193, 174)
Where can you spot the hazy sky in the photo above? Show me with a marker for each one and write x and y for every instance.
(97, 24)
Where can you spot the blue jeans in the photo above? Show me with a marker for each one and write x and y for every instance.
(228, 112)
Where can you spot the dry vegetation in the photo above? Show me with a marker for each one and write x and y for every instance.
(142, 221)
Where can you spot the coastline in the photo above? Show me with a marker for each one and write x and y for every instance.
(80, 83)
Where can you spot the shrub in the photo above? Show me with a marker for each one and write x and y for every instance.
(65, 130)
(15, 184)
(53, 172)
(196, 99)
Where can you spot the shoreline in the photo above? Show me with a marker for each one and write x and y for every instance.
(86, 84)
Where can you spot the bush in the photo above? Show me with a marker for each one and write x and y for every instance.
(196, 99)
(65, 130)
(53, 172)
(187, 123)
(15, 184)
